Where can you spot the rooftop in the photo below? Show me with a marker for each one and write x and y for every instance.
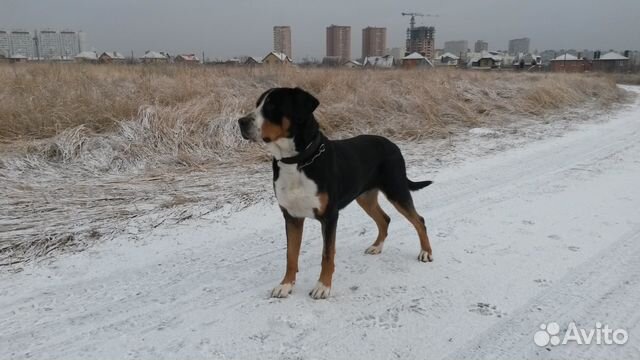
(114, 55)
(613, 56)
(449, 55)
(88, 55)
(153, 55)
(565, 57)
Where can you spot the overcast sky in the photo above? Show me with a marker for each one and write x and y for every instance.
(244, 27)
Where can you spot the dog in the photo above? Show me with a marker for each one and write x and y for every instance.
(314, 177)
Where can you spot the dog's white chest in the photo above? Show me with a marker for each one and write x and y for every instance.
(296, 192)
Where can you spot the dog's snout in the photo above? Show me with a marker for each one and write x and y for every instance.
(244, 122)
(245, 127)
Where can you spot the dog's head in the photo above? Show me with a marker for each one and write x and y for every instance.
(283, 120)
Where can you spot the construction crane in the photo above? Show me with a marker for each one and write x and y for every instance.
(413, 15)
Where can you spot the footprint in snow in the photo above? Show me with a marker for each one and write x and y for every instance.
(486, 309)
(543, 282)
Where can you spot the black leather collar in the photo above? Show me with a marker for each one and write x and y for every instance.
(308, 153)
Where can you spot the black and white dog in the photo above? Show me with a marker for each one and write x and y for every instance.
(315, 177)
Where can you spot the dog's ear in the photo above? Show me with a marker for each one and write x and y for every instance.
(264, 95)
(305, 102)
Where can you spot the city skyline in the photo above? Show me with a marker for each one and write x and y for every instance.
(195, 26)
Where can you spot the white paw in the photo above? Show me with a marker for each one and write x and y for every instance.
(373, 250)
(425, 256)
(320, 291)
(282, 290)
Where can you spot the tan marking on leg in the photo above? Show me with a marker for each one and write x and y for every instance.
(328, 252)
(324, 201)
(294, 228)
(328, 267)
(322, 289)
(418, 222)
(369, 203)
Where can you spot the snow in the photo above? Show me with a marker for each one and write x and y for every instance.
(113, 55)
(449, 55)
(256, 59)
(546, 231)
(87, 55)
(378, 61)
(483, 132)
(188, 57)
(565, 57)
(353, 63)
(153, 55)
(613, 56)
(280, 56)
(413, 56)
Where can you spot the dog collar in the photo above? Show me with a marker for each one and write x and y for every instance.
(308, 152)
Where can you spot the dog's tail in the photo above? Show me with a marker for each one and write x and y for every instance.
(417, 185)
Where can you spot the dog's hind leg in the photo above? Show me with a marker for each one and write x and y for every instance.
(368, 201)
(406, 208)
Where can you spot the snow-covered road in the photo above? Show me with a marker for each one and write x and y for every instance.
(549, 232)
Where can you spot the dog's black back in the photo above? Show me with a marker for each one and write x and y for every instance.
(356, 165)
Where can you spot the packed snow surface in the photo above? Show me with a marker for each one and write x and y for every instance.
(545, 232)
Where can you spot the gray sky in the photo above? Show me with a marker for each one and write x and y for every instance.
(244, 27)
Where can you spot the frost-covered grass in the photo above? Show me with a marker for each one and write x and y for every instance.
(85, 148)
(628, 79)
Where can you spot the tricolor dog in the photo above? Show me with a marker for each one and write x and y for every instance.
(314, 177)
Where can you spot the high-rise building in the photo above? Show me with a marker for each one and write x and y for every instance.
(457, 47)
(5, 44)
(421, 39)
(21, 43)
(339, 42)
(82, 40)
(69, 43)
(48, 44)
(481, 46)
(374, 41)
(518, 46)
(282, 40)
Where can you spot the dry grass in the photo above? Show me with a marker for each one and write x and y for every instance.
(187, 115)
(628, 79)
(84, 149)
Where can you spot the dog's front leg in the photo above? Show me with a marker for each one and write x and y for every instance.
(293, 227)
(323, 287)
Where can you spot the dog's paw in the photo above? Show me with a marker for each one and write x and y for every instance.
(282, 290)
(320, 291)
(373, 250)
(425, 256)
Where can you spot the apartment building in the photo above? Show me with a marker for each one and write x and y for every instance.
(374, 41)
(282, 40)
(339, 42)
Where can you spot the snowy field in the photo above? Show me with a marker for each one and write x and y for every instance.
(546, 231)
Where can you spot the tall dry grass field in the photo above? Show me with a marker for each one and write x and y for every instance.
(190, 111)
(83, 147)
